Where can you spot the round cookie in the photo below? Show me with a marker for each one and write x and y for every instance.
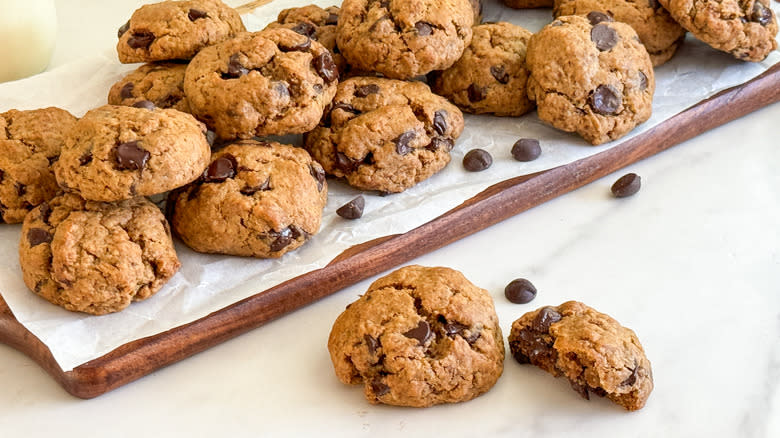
(595, 80)
(491, 76)
(418, 337)
(119, 152)
(592, 350)
(255, 199)
(175, 30)
(404, 38)
(384, 134)
(659, 33)
(272, 82)
(160, 83)
(30, 141)
(96, 257)
(744, 28)
(528, 4)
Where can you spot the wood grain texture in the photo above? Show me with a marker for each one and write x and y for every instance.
(500, 201)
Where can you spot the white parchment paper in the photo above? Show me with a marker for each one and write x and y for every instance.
(207, 283)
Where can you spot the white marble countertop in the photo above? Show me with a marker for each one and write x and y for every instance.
(691, 263)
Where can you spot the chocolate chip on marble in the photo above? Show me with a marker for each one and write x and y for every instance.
(319, 175)
(626, 185)
(146, 104)
(761, 14)
(402, 142)
(332, 19)
(423, 28)
(605, 100)
(262, 187)
(642, 80)
(234, 68)
(122, 29)
(130, 156)
(596, 17)
(379, 388)
(300, 47)
(440, 122)
(544, 319)
(127, 90)
(221, 169)
(367, 90)
(526, 149)
(371, 343)
(476, 93)
(477, 160)
(499, 73)
(304, 28)
(37, 236)
(520, 291)
(325, 67)
(352, 209)
(604, 37)
(422, 333)
(195, 14)
(140, 40)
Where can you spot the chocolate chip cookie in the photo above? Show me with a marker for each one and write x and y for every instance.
(272, 82)
(30, 141)
(589, 77)
(419, 337)
(255, 199)
(119, 152)
(592, 350)
(96, 257)
(384, 134)
(657, 30)
(175, 30)
(162, 84)
(744, 28)
(404, 38)
(491, 76)
(528, 4)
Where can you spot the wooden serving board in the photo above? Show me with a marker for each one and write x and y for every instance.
(498, 202)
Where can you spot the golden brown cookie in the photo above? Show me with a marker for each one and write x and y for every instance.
(418, 337)
(96, 257)
(161, 83)
(592, 350)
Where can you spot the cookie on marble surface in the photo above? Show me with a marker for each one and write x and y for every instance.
(176, 30)
(30, 141)
(159, 83)
(591, 349)
(255, 199)
(119, 152)
(96, 257)
(491, 75)
(385, 134)
(418, 337)
(657, 30)
(744, 28)
(272, 82)
(595, 80)
(528, 4)
(404, 38)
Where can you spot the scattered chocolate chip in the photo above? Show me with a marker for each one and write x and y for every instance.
(526, 149)
(140, 40)
(332, 19)
(477, 93)
(36, 236)
(122, 29)
(352, 209)
(86, 158)
(318, 174)
(262, 187)
(21, 189)
(195, 14)
(371, 343)
(544, 319)
(234, 68)
(130, 156)
(324, 66)
(300, 47)
(402, 142)
(366, 90)
(423, 28)
(146, 104)
(422, 332)
(440, 122)
(631, 379)
(379, 388)
(127, 91)
(761, 14)
(642, 81)
(440, 143)
(604, 36)
(626, 185)
(345, 163)
(499, 73)
(605, 100)
(221, 169)
(596, 17)
(284, 238)
(477, 160)
(520, 291)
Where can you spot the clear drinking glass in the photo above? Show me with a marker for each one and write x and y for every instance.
(28, 29)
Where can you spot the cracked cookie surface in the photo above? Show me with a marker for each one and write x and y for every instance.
(591, 349)
(593, 79)
(404, 38)
(30, 141)
(418, 337)
(96, 257)
(119, 152)
(272, 82)
(175, 30)
(255, 199)
(384, 134)
(160, 83)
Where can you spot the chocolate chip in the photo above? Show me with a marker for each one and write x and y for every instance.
(605, 100)
(282, 89)
(318, 174)
(304, 28)
(324, 66)
(300, 47)
(423, 28)
(761, 14)
(86, 158)
(146, 104)
(596, 17)
(642, 81)
(376, 24)
(140, 40)
(21, 189)
(454, 328)
(345, 107)
(332, 19)
(422, 333)
(544, 319)
(234, 68)
(402, 142)
(440, 122)
(631, 379)
(626, 185)
(366, 90)
(352, 209)
(440, 143)
(2, 175)
(284, 238)
(45, 211)
(127, 91)
(477, 93)
(604, 36)
(195, 14)
(371, 343)
(499, 73)
(122, 29)
(520, 291)
(130, 156)
(379, 388)
(36, 236)
(526, 149)
(344, 163)
(477, 160)
(221, 169)
(262, 187)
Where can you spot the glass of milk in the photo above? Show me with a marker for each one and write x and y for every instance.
(28, 29)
